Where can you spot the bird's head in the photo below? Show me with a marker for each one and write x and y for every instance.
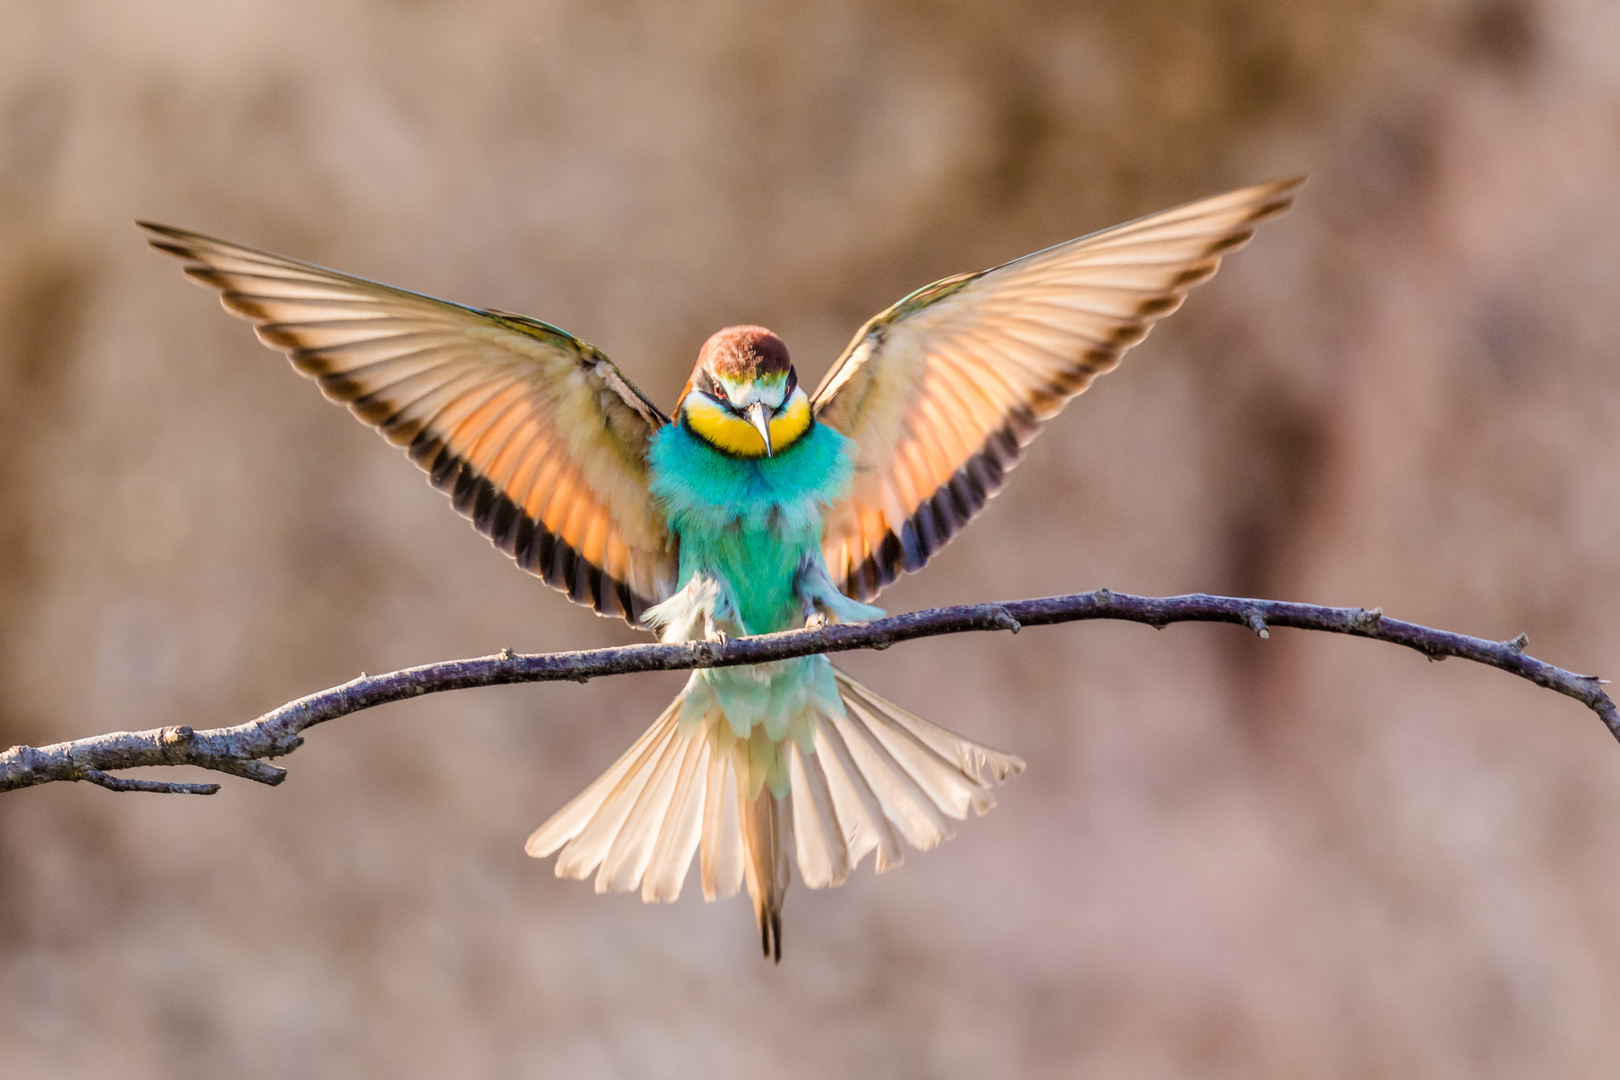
(744, 398)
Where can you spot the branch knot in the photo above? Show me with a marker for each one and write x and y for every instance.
(1003, 618)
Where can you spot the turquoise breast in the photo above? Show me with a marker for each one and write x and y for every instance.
(750, 520)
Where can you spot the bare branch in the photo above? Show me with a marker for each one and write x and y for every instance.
(240, 750)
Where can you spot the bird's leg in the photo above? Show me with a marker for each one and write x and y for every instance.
(704, 608)
(822, 599)
(712, 631)
(815, 617)
(720, 618)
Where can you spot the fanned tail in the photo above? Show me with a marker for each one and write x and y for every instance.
(845, 782)
(880, 773)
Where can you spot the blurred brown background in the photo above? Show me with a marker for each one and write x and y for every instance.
(1310, 857)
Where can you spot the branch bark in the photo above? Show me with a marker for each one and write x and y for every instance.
(241, 750)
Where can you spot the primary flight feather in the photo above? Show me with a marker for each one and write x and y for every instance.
(757, 508)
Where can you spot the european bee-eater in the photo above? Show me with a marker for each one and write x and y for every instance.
(757, 508)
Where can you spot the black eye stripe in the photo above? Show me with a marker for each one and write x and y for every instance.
(705, 384)
(719, 401)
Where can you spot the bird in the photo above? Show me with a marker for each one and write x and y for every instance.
(755, 506)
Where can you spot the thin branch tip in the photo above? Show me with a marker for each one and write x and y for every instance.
(251, 768)
(164, 787)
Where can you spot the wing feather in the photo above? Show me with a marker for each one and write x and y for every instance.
(942, 392)
(533, 433)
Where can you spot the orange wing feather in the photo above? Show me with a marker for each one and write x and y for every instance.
(535, 435)
(943, 391)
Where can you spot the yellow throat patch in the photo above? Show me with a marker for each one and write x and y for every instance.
(734, 435)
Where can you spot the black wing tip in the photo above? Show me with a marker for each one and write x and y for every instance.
(178, 250)
(1276, 196)
(168, 238)
(199, 272)
(1285, 184)
(187, 246)
(1281, 189)
(161, 230)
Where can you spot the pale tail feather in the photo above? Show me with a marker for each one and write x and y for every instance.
(876, 774)
(625, 862)
(722, 851)
(592, 822)
(865, 826)
(682, 828)
(822, 850)
(920, 776)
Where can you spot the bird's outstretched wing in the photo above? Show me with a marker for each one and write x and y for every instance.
(534, 434)
(943, 391)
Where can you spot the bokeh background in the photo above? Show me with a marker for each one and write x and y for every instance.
(1309, 858)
